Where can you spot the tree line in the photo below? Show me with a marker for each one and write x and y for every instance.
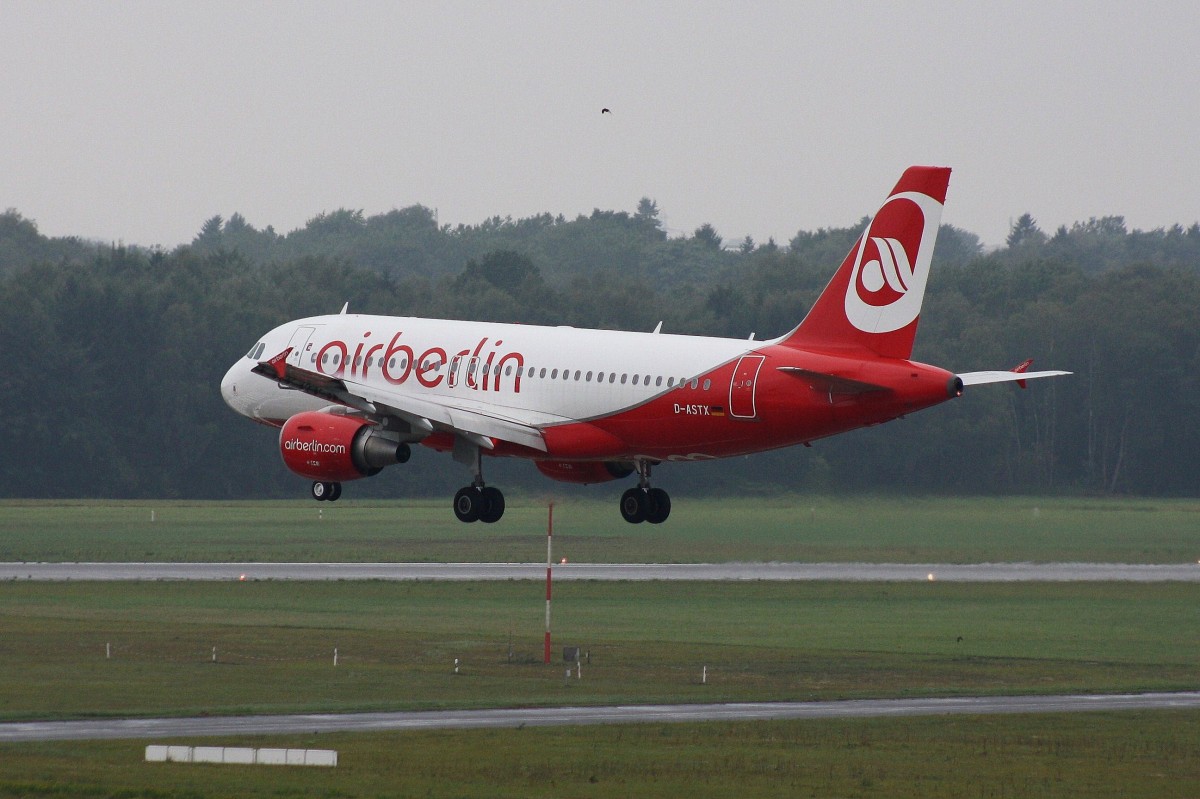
(115, 353)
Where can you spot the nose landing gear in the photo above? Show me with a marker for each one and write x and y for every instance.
(326, 492)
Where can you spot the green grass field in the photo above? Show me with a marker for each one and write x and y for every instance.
(647, 643)
(811, 529)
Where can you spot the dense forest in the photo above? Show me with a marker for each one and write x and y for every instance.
(114, 353)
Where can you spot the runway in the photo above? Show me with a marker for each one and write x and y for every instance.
(572, 716)
(833, 572)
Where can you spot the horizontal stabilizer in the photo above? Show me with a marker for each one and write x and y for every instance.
(982, 378)
(832, 384)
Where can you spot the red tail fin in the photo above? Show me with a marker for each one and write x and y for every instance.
(874, 299)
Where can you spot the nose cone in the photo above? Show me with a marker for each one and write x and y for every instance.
(237, 375)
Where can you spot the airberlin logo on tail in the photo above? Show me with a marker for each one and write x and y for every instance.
(891, 266)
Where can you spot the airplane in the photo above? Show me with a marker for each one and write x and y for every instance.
(351, 393)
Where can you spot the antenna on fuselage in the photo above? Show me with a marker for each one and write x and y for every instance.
(345, 308)
(657, 329)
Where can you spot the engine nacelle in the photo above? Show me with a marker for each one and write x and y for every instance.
(584, 471)
(333, 448)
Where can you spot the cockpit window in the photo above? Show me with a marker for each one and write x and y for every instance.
(256, 351)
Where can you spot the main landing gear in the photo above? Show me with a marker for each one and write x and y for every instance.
(326, 492)
(477, 502)
(643, 503)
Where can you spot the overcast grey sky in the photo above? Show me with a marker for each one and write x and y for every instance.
(136, 121)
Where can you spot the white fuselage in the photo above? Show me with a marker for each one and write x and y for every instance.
(546, 375)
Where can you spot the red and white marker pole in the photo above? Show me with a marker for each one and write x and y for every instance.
(549, 537)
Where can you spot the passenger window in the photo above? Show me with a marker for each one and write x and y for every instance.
(576, 375)
(658, 380)
(695, 382)
(624, 377)
(670, 382)
(543, 372)
(612, 377)
(599, 377)
(589, 377)
(707, 385)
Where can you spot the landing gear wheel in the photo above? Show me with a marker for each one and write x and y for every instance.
(660, 506)
(493, 505)
(468, 502)
(322, 492)
(634, 505)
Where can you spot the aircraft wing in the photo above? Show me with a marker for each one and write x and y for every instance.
(475, 421)
(1017, 374)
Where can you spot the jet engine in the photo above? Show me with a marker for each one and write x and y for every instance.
(584, 471)
(332, 448)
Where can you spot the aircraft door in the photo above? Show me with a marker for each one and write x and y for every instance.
(742, 387)
(301, 344)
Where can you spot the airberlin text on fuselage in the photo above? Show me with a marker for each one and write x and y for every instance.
(478, 369)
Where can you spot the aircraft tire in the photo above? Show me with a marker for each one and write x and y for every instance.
(468, 502)
(335, 492)
(660, 506)
(493, 505)
(320, 491)
(634, 504)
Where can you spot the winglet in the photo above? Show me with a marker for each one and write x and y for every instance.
(279, 363)
(1022, 367)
